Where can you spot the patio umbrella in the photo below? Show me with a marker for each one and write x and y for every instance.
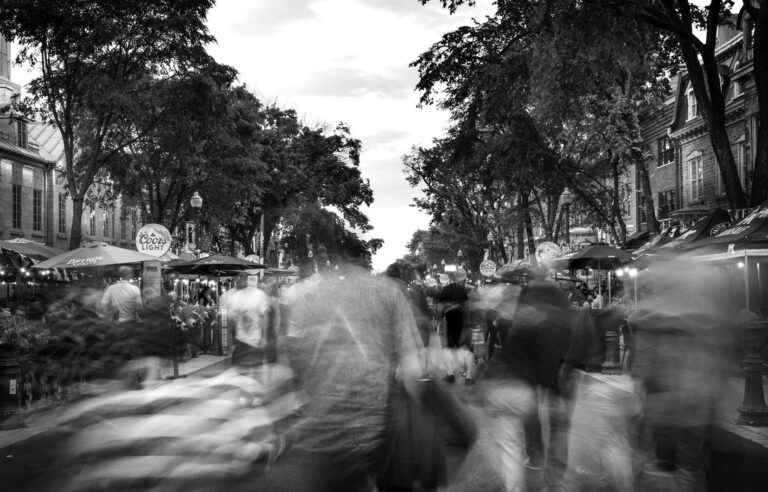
(30, 248)
(218, 265)
(95, 255)
(215, 264)
(599, 256)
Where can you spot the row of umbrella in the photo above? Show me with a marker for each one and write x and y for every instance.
(103, 255)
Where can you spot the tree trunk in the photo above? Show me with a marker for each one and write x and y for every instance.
(567, 223)
(553, 202)
(502, 251)
(614, 232)
(529, 234)
(617, 218)
(525, 207)
(545, 221)
(520, 238)
(760, 174)
(622, 230)
(730, 176)
(76, 228)
(561, 223)
(712, 107)
(653, 224)
(247, 245)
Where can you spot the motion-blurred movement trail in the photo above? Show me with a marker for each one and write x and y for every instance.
(355, 401)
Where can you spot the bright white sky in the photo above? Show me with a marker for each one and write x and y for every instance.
(347, 60)
(344, 60)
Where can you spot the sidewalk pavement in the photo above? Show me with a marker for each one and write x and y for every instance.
(33, 423)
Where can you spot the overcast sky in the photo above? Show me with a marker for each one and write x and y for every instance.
(346, 60)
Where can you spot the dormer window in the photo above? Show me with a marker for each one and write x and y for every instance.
(693, 106)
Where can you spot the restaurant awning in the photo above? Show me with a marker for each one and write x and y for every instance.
(27, 247)
(95, 255)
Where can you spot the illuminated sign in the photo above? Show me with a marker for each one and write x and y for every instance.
(153, 239)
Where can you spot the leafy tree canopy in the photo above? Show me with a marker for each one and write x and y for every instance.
(97, 61)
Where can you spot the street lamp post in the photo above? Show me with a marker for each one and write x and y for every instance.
(490, 238)
(196, 202)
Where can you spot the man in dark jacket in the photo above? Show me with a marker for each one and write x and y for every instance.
(453, 299)
(536, 342)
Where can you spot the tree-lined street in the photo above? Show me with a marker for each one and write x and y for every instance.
(383, 246)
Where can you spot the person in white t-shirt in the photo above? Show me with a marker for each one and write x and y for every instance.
(123, 299)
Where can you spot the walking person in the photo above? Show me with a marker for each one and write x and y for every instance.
(536, 323)
(122, 299)
(452, 305)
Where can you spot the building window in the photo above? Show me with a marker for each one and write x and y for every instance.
(123, 222)
(17, 174)
(21, 133)
(696, 177)
(5, 59)
(16, 212)
(62, 213)
(642, 213)
(666, 152)
(37, 210)
(667, 203)
(37, 179)
(693, 105)
(92, 223)
(640, 197)
(741, 160)
(741, 156)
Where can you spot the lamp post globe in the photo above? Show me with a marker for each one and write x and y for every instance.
(196, 201)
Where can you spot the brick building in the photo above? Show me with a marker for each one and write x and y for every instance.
(684, 175)
(33, 200)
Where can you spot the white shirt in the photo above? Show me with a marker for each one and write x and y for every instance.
(123, 298)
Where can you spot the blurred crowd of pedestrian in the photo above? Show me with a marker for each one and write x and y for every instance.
(346, 381)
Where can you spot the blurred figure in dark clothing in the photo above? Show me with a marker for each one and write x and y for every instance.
(417, 454)
(453, 298)
(681, 357)
(536, 340)
(586, 347)
(408, 279)
(206, 296)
